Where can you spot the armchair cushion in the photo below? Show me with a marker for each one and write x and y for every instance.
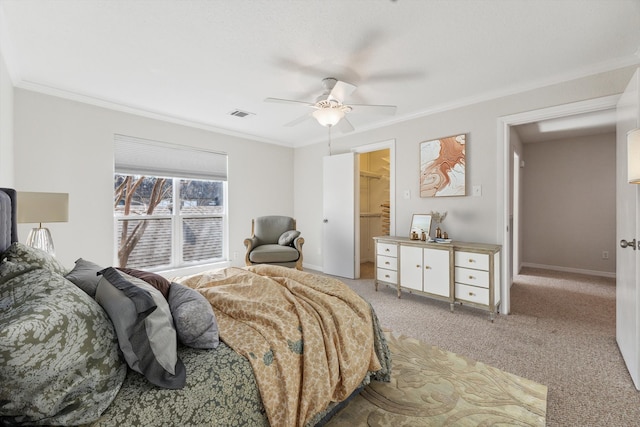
(273, 253)
(288, 237)
(268, 229)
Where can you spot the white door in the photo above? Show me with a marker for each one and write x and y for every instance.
(627, 283)
(339, 215)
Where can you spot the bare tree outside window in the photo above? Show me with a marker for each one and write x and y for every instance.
(131, 193)
(147, 217)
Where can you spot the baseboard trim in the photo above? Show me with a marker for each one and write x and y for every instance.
(311, 267)
(570, 270)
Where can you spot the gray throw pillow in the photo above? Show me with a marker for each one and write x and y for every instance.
(193, 316)
(85, 276)
(288, 237)
(144, 326)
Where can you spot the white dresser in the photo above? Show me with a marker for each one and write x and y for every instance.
(457, 272)
(386, 263)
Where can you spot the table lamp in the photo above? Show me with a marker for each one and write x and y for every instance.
(38, 208)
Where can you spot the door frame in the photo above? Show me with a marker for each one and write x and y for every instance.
(505, 160)
(376, 146)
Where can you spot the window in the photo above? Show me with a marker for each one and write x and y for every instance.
(167, 214)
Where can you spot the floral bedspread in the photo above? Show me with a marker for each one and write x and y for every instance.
(309, 338)
(220, 391)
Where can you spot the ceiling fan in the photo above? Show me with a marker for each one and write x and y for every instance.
(329, 108)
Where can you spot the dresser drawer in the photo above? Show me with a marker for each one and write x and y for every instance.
(388, 276)
(387, 249)
(472, 294)
(472, 260)
(387, 262)
(473, 277)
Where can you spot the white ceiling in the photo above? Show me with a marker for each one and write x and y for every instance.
(195, 61)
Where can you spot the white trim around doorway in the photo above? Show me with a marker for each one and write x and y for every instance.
(504, 159)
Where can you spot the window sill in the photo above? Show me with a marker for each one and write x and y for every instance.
(187, 271)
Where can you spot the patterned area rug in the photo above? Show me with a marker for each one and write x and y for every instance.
(433, 387)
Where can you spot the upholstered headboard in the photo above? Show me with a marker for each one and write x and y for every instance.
(8, 223)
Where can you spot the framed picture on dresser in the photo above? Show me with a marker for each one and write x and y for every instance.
(420, 223)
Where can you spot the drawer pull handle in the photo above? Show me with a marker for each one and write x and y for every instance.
(387, 262)
(471, 277)
(427, 267)
(472, 260)
(387, 276)
(387, 250)
(471, 294)
(417, 266)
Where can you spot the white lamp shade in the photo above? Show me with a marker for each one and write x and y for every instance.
(42, 207)
(328, 116)
(633, 156)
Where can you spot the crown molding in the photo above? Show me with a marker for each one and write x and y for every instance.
(115, 106)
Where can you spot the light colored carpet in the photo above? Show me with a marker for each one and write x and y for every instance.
(561, 333)
(433, 387)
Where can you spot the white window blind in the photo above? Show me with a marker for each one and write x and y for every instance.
(137, 156)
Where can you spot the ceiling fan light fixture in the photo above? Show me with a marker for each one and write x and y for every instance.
(328, 116)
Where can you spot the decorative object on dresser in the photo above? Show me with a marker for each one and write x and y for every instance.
(439, 235)
(442, 166)
(420, 227)
(457, 272)
(36, 207)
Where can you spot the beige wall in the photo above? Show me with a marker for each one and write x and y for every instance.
(67, 146)
(569, 197)
(470, 218)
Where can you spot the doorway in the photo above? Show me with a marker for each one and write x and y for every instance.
(375, 205)
(505, 124)
(376, 194)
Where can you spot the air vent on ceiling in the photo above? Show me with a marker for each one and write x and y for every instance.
(240, 113)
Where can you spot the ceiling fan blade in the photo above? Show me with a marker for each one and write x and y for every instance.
(389, 110)
(342, 90)
(345, 125)
(299, 120)
(288, 101)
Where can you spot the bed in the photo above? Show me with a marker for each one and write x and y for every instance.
(290, 348)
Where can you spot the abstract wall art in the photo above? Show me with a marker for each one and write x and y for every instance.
(442, 167)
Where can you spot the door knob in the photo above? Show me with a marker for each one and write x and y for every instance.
(325, 220)
(631, 244)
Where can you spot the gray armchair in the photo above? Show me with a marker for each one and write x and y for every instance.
(274, 240)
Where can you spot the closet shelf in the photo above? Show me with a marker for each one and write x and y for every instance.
(370, 175)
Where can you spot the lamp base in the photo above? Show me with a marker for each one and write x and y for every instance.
(40, 238)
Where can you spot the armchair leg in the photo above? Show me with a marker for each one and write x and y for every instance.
(298, 245)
